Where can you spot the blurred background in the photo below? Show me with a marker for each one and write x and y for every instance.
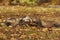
(29, 2)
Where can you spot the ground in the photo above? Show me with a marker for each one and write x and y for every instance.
(29, 33)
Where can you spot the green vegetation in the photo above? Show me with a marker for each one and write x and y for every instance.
(30, 2)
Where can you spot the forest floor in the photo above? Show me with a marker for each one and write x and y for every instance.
(29, 33)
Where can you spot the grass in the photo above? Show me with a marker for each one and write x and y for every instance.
(21, 9)
(43, 13)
